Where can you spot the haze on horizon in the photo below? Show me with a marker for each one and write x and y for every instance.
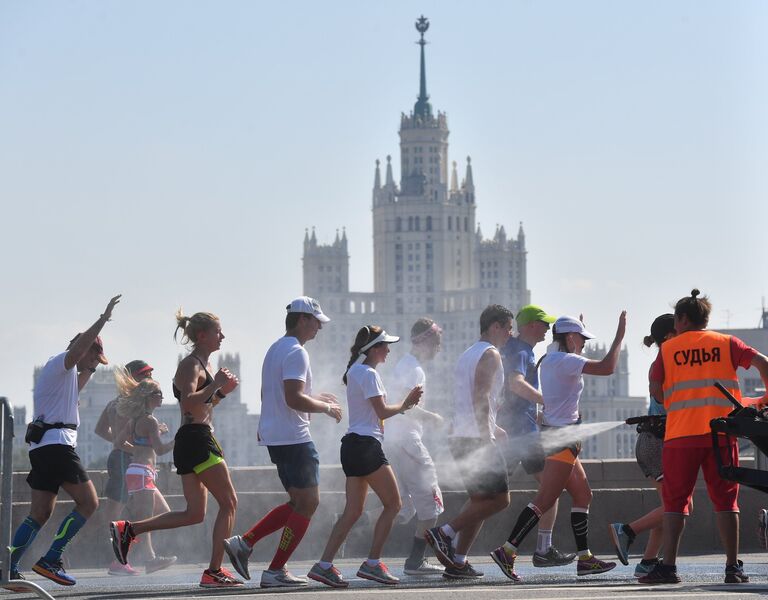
(176, 153)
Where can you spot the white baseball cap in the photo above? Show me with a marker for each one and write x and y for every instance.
(305, 304)
(568, 324)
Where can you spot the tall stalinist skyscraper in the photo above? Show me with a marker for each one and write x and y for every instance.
(430, 258)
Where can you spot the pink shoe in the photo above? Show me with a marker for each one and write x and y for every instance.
(117, 569)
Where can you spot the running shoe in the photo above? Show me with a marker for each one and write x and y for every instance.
(115, 568)
(377, 572)
(441, 544)
(158, 563)
(506, 562)
(423, 568)
(54, 571)
(331, 576)
(15, 575)
(272, 578)
(735, 573)
(661, 574)
(465, 571)
(552, 558)
(762, 527)
(122, 538)
(239, 552)
(621, 542)
(219, 579)
(645, 566)
(593, 566)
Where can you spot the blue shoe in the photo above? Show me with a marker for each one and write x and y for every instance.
(53, 571)
(621, 542)
(643, 569)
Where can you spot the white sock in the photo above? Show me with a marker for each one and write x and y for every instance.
(324, 565)
(544, 541)
(372, 562)
(448, 530)
(459, 559)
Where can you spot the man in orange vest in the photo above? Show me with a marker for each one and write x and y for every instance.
(691, 363)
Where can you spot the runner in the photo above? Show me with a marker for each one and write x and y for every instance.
(650, 440)
(109, 425)
(518, 416)
(286, 404)
(363, 459)
(479, 387)
(416, 475)
(691, 362)
(137, 402)
(52, 436)
(562, 382)
(197, 455)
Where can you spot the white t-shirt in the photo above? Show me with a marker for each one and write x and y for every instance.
(408, 374)
(363, 383)
(561, 387)
(55, 401)
(464, 420)
(280, 425)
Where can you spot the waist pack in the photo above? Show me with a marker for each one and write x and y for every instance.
(37, 428)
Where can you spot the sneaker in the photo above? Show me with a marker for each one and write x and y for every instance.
(219, 579)
(762, 528)
(378, 572)
(506, 562)
(645, 567)
(441, 544)
(239, 552)
(272, 578)
(18, 577)
(735, 573)
(620, 541)
(552, 558)
(53, 571)
(117, 568)
(331, 576)
(465, 571)
(122, 538)
(423, 568)
(594, 566)
(158, 563)
(660, 574)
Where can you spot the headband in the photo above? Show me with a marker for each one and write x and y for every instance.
(420, 337)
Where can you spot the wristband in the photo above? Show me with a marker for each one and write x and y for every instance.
(220, 395)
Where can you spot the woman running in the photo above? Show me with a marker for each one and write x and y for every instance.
(197, 455)
(136, 403)
(562, 382)
(650, 441)
(362, 457)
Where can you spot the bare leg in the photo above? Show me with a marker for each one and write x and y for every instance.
(728, 527)
(384, 484)
(674, 523)
(196, 497)
(356, 490)
(218, 482)
(142, 507)
(470, 520)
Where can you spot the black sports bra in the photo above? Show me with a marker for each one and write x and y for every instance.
(208, 381)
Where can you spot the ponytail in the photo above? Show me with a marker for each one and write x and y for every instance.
(364, 336)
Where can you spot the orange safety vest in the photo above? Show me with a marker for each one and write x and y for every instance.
(693, 362)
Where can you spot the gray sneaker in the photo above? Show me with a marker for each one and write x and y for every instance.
(272, 578)
(620, 542)
(552, 558)
(331, 577)
(238, 552)
(423, 568)
(378, 573)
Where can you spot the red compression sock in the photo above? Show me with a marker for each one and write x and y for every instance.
(271, 522)
(294, 531)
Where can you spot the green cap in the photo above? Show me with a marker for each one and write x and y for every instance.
(531, 313)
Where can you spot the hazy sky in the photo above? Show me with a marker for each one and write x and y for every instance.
(175, 152)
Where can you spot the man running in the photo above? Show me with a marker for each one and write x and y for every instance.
(286, 401)
(415, 471)
(518, 417)
(52, 436)
(479, 386)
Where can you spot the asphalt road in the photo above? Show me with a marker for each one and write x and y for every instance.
(702, 578)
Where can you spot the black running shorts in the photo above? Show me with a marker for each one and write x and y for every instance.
(117, 463)
(195, 449)
(481, 464)
(361, 455)
(54, 464)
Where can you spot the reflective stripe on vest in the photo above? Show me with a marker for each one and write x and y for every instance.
(698, 403)
(730, 384)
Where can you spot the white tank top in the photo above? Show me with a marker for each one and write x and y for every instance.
(464, 421)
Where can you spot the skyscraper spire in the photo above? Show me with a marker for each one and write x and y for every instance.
(377, 177)
(454, 179)
(390, 181)
(422, 108)
(469, 182)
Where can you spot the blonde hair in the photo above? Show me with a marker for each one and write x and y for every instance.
(192, 326)
(134, 396)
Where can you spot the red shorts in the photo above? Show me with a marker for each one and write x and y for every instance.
(682, 458)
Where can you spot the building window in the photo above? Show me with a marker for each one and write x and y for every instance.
(450, 224)
(398, 224)
(418, 223)
(466, 223)
(429, 223)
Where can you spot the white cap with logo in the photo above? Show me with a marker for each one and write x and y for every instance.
(305, 304)
(572, 325)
